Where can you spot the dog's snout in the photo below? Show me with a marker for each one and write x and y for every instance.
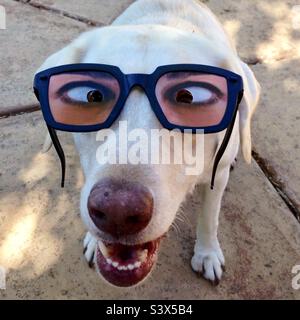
(120, 207)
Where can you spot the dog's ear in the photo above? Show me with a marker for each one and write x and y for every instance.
(247, 107)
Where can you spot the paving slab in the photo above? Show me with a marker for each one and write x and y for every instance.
(276, 127)
(31, 35)
(265, 37)
(262, 29)
(41, 232)
(101, 11)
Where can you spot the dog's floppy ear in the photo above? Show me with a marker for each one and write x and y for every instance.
(247, 107)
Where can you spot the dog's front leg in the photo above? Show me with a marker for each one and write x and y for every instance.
(208, 257)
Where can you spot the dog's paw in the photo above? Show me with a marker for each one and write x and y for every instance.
(89, 248)
(209, 262)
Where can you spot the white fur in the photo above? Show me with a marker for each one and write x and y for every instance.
(151, 33)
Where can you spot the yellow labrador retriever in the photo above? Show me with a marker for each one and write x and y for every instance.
(128, 207)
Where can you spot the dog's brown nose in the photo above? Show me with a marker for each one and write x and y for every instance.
(119, 207)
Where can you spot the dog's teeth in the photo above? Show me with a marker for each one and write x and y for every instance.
(143, 255)
(136, 265)
(145, 252)
(109, 261)
(103, 249)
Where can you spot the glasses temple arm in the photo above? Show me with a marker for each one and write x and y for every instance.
(60, 153)
(225, 141)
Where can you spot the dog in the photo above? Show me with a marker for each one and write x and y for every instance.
(151, 33)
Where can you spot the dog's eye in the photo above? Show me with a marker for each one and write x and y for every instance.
(195, 95)
(85, 95)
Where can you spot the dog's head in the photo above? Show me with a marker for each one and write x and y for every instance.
(128, 207)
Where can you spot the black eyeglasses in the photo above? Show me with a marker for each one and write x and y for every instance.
(90, 97)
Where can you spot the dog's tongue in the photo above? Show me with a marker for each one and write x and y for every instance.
(123, 265)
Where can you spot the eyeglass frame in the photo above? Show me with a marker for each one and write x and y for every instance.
(148, 83)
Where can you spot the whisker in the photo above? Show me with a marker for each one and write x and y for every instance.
(183, 218)
(175, 227)
(180, 219)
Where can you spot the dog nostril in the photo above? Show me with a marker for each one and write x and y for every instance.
(99, 215)
(133, 219)
(106, 194)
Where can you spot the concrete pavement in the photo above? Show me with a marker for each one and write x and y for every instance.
(40, 228)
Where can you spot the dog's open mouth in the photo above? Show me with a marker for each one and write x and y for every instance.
(125, 265)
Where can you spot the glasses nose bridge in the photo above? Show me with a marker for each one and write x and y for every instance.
(137, 79)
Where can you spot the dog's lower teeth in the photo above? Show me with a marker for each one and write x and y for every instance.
(130, 267)
(142, 257)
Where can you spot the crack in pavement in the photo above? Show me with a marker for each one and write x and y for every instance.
(271, 174)
(64, 13)
(16, 111)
